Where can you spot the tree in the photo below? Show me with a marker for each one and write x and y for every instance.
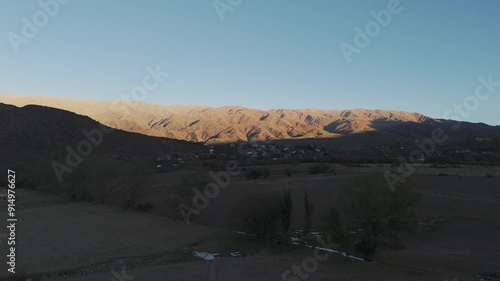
(333, 227)
(105, 178)
(258, 214)
(286, 210)
(308, 208)
(183, 192)
(378, 214)
(134, 189)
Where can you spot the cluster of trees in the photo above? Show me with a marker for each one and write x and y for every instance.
(367, 215)
(183, 192)
(268, 215)
(97, 179)
(370, 215)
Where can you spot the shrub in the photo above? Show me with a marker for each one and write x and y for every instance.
(319, 168)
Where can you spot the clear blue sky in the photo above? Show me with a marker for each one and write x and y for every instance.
(264, 54)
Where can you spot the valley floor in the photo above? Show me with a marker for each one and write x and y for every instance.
(58, 239)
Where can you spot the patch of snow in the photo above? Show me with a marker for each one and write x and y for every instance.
(204, 255)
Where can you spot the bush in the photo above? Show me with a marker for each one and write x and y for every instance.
(258, 214)
(144, 207)
(289, 172)
(255, 173)
(320, 168)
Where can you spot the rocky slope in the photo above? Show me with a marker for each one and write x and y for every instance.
(233, 123)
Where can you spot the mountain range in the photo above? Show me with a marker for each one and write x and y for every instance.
(33, 132)
(234, 123)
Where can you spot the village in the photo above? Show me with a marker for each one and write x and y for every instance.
(478, 151)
